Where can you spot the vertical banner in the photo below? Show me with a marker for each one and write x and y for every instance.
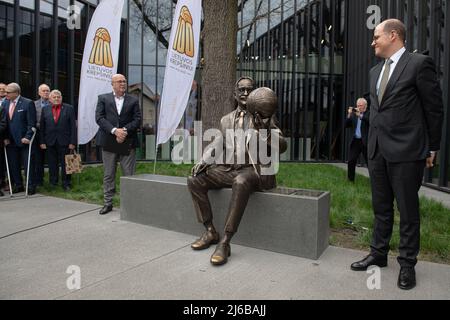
(100, 55)
(180, 66)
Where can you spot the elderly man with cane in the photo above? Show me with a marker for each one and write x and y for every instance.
(20, 117)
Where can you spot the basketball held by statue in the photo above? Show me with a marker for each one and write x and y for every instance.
(263, 101)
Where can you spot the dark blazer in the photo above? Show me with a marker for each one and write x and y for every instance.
(24, 118)
(3, 126)
(107, 117)
(64, 132)
(352, 122)
(408, 122)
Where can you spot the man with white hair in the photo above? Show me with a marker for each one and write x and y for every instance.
(20, 115)
(358, 120)
(42, 102)
(58, 136)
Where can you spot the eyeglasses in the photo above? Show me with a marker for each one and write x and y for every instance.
(121, 81)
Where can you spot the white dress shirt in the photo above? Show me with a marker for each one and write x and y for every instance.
(395, 58)
(119, 105)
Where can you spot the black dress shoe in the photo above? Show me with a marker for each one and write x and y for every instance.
(208, 238)
(406, 278)
(31, 191)
(367, 262)
(105, 209)
(221, 254)
(1, 193)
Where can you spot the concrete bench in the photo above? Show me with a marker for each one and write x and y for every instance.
(289, 221)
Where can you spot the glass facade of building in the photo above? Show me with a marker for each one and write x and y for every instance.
(314, 54)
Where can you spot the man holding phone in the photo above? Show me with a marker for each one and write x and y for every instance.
(358, 120)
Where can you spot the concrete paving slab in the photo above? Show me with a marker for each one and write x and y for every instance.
(123, 260)
(33, 264)
(257, 274)
(19, 213)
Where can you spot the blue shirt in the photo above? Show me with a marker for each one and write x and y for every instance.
(358, 128)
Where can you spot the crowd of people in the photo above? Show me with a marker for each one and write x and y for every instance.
(29, 132)
(46, 128)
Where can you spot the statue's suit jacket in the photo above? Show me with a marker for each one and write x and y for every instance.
(228, 123)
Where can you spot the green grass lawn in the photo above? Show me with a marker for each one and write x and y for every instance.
(351, 216)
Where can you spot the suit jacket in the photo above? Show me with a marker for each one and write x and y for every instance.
(24, 118)
(107, 117)
(352, 122)
(3, 126)
(407, 124)
(38, 105)
(228, 122)
(64, 132)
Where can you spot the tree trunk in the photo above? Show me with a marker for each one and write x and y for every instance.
(219, 72)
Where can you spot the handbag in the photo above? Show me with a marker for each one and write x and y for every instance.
(73, 162)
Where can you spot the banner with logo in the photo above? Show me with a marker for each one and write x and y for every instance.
(180, 66)
(100, 55)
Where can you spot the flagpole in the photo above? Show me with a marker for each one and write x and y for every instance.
(156, 156)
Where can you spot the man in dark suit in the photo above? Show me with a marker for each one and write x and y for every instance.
(243, 179)
(358, 120)
(42, 102)
(2, 154)
(3, 128)
(20, 115)
(119, 116)
(58, 135)
(405, 134)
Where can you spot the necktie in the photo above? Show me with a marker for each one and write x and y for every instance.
(12, 106)
(241, 120)
(384, 79)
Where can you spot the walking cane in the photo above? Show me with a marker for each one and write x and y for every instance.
(7, 170)
(29, 159)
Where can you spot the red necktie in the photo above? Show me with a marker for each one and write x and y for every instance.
(12, 106)
(56, 111)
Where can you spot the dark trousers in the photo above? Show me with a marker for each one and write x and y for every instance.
(39, 158)
(18, 156)
(243, 182)
(356, 148)
(2, 168)
(56, 161)
(401, 181)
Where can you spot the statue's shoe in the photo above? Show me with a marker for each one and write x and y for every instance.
(221, 254)
(208, 238)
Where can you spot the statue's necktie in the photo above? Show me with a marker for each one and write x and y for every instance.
(241, 120)
(384, 80)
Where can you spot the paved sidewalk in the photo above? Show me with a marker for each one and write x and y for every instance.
(439, 196)
(40, 237)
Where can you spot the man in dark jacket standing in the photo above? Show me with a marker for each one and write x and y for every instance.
(20, 115)
(119, 116)
(405, 134)
(58, 135)
(358, 120)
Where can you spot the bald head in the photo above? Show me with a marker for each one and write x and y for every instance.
(395, 25)
(389, 37)
(119, 84)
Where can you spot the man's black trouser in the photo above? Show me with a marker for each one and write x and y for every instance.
(401, 181)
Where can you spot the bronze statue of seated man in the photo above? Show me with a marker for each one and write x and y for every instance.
(244, 177)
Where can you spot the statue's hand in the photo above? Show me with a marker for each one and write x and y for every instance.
(199, 167)
(259, 122)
